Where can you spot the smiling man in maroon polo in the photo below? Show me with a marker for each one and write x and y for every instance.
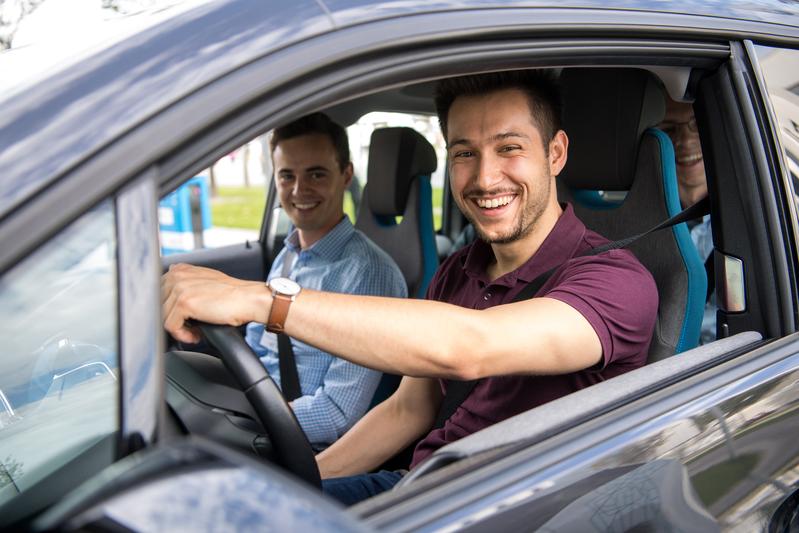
(592, 319)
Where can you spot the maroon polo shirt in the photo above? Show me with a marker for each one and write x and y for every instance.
(613, 291)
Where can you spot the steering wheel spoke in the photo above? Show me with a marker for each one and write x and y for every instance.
(291, 446)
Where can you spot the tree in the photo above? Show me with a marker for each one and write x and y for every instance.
(10, 471)
(11, 14)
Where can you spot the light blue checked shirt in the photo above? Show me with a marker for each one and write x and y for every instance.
(702, 235)
(335, 393)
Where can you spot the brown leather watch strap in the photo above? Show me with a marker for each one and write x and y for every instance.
(278, 313)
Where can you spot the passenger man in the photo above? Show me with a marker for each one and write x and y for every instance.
(679, 124)
(592, 319)
(312, 170)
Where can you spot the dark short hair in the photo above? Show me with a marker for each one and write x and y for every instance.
(313, 124)
(540, 86)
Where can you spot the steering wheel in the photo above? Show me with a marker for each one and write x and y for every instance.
(292, 449)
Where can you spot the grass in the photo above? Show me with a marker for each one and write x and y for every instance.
(243, 207)
(238, 207)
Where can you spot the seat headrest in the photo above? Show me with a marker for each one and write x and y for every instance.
(605, 113)
(396, 157)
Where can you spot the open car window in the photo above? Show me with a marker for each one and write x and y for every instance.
(224, 204)
(220, 205)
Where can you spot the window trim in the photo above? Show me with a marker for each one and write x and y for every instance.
(140, 329)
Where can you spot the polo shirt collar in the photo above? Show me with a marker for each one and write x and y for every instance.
(560, 245)
(328, 247)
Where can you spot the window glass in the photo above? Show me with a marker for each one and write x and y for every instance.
(780, 68)
(222, 205)
(59, 382)
(360, 134)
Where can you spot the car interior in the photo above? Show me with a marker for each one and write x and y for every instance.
(621, 180)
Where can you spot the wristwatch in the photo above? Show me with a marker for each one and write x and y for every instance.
(284, 291)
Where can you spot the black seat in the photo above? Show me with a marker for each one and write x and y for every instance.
(398, 185)
(609, 115)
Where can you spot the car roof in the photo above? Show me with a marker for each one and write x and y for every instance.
(773, 11)
(52, 126)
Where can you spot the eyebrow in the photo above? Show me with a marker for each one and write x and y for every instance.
(314, 168)
(497, 137)
(317, 168)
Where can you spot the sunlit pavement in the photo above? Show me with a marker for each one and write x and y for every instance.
(218, 237)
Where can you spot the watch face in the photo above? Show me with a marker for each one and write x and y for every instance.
(285, 286)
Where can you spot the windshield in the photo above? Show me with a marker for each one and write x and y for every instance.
(59, 387)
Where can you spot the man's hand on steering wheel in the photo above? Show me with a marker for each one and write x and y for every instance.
(192, 292)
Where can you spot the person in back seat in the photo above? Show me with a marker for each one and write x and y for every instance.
(312, 170)
(592, 316)
(679, 124)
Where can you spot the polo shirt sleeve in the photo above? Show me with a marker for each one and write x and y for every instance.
(618, 297)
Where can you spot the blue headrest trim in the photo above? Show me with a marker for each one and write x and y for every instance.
(694, 265)
(593, 200)
(427, 234)
(385, 221)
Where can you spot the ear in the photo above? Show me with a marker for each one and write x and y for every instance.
(558, 152)
(348, 172)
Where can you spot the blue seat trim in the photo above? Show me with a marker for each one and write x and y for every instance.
(428, 236)
(694, 265)
(385, 221)
(593, 199)
(389, 382)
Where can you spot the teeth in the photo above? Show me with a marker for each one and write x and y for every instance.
(693, 158)
(305, 206)
(492, 203)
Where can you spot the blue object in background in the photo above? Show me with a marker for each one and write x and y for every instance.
(183, 215)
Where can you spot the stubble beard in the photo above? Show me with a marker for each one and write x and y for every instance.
(528, 219)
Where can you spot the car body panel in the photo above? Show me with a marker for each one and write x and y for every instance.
(209, 488)
(773, 11)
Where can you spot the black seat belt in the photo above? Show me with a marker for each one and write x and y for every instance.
(458, 391)
(289, 377)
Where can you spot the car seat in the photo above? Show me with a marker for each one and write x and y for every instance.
(398, 185)
(609, 115)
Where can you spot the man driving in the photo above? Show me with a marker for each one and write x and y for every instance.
(592, 316)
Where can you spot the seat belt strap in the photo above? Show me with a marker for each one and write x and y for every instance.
(289, 377)
(698, 210)
(458, 391)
